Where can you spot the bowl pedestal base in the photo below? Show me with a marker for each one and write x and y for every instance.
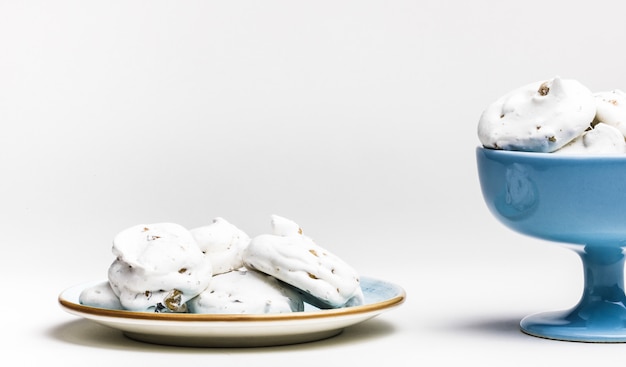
(600, 315)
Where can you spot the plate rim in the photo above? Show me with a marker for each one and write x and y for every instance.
(379, 306)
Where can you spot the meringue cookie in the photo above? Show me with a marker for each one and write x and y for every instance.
(223, 244)
(245, 291)
(159, 267)
(284, 227)
(611, 109)
(100, 295)
(540, 117)
(297, 260)
(602, 139)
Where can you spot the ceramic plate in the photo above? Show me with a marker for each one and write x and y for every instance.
(239, 330)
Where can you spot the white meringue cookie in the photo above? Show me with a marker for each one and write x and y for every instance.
(540, 117)
(602, 139)
(100, 295)
(246, 292)
(611, 109)
(284, 227)
(159, 267)
(223, 244)
(297, 260)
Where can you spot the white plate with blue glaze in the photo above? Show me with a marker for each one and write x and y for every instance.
(238, 330)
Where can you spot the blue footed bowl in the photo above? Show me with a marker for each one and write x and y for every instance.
(575, 200)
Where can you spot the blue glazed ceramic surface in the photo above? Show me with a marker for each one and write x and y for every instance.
(576, 200)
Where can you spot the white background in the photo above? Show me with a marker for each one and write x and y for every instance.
(356, 119)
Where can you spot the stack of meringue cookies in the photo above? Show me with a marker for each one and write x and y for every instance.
(556, 116)
(219, 269)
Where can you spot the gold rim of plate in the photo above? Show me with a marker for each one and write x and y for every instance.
(189, 317)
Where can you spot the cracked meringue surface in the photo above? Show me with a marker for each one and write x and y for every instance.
(223, 244)
(539, 117)
(218, 268)
(296, 259)
(602, 138)
(246, 291)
